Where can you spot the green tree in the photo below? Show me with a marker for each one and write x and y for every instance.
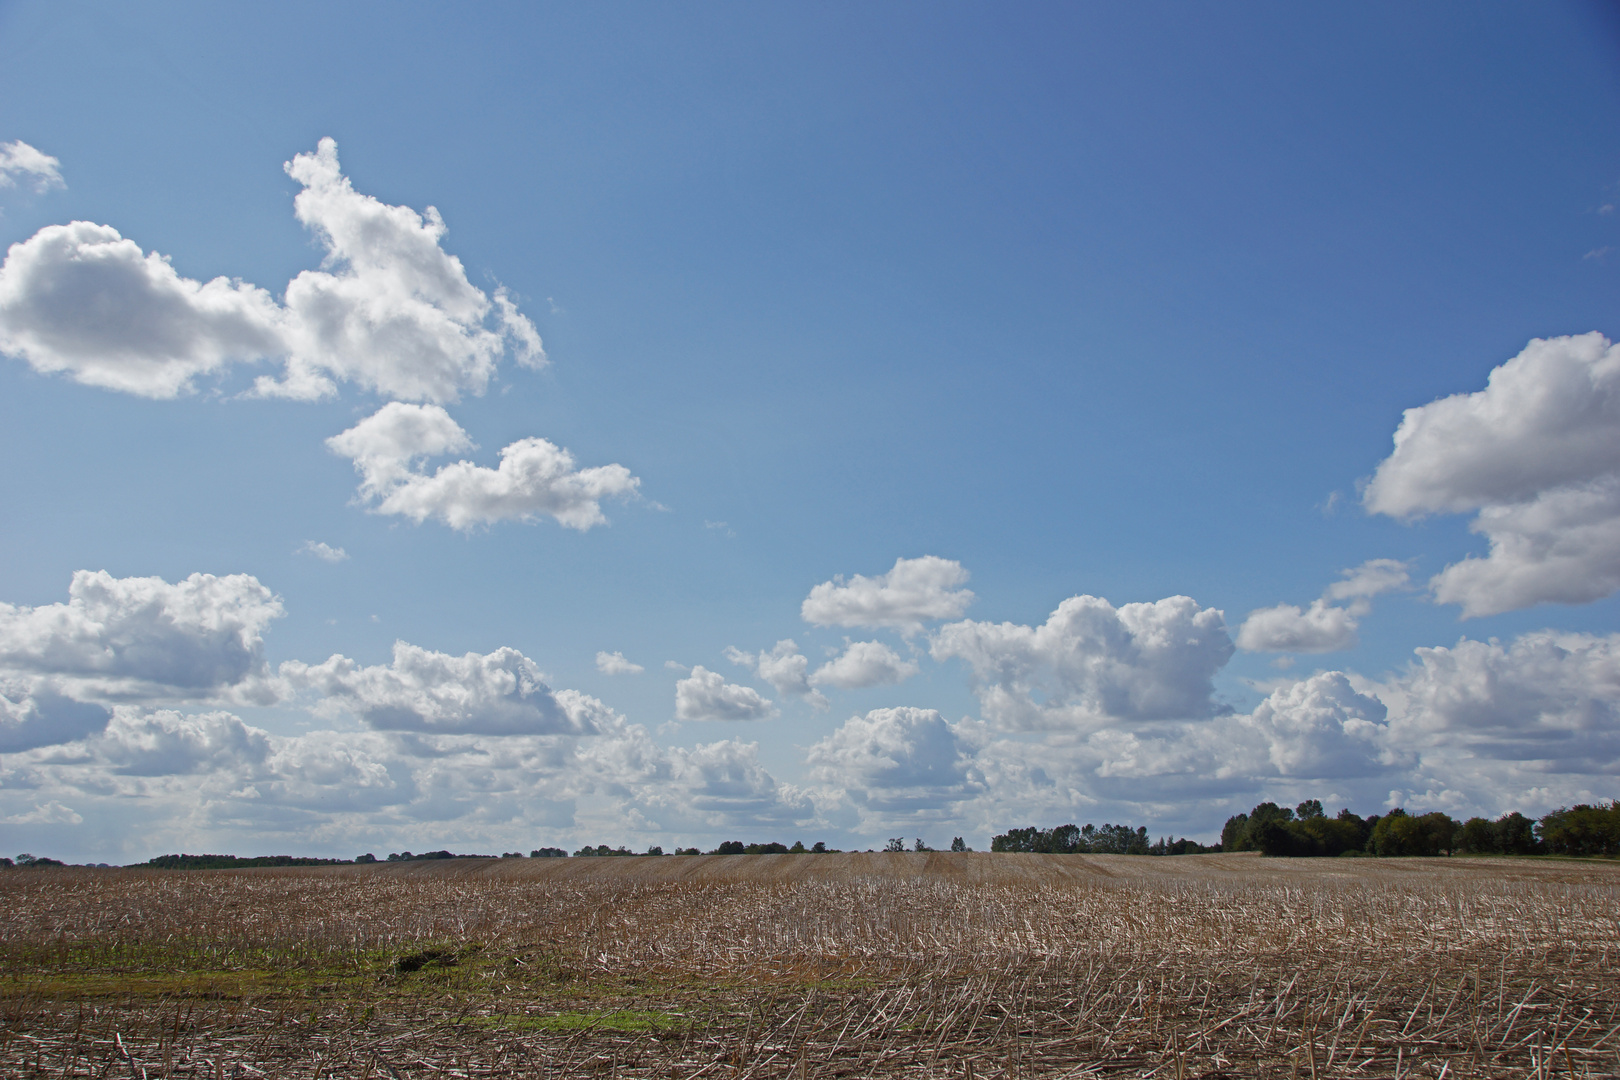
(1575, 830)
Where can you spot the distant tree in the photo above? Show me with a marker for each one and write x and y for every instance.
(368, 857)
(655, 849)
(1399, 833)
(1439, 833)
(687, 851)
(957, 844)
(729, 847)
(1477, 837)
(920, 846)
(1165, 846)
(1016, 840)
(1310, 808)
(818, 848)
(226, 862)
(1515, 834)
(1120, 840)
(548, 853)
(6, 863)
(772, 848)
(1573, 830)
(1359, 827)
(511, 854)
(1235, 833)
(896, 843)
(798, 848)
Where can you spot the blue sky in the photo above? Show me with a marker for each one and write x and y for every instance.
(1123, 302)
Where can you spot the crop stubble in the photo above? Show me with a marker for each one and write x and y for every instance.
(841, 965)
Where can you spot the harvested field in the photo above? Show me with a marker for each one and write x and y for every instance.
(835, 965)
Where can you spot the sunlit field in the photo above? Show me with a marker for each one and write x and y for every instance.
(952, 965)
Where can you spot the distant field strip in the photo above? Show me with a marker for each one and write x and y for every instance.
(950, 965)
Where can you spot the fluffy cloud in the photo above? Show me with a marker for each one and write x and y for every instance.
(134, 638)
(784, 667)
(43, 718)
(900, 758)
(1547, 703)
(535, 477)
(168, 743)
(81, 299)
(614, 663)
(1537, 455)
(394, 311)
(1372, 578)
(501, 693)
(19, 159)
(912, 592)
(705, 695)
(1320, 728)
(723, 785)
(864, 663)
(323, 551)
(390, 310)
(1285, 628)
(1323, 627)
(1090, 663)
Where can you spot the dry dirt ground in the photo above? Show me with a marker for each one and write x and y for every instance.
(958, 965)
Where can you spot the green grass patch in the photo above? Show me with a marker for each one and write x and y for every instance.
(622, 1021)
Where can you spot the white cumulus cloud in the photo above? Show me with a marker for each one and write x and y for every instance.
(145, 638)
(862, 664)
(43, 718)
(168, 743)
(900, 758)
(1536, 456)
(499, 693)
(784, 667)
(705, 695)
(49, 813)
(914, 591)
(1549, 702)
(81, 299)
(1324, 626)
(1321, 727)
(1090, 663)
(18, 159)
(1319, 628)
(614, 663)
(390, 310)
(534, 478)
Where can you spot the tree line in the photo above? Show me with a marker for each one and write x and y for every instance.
(1091, 839)
(1306, 830)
